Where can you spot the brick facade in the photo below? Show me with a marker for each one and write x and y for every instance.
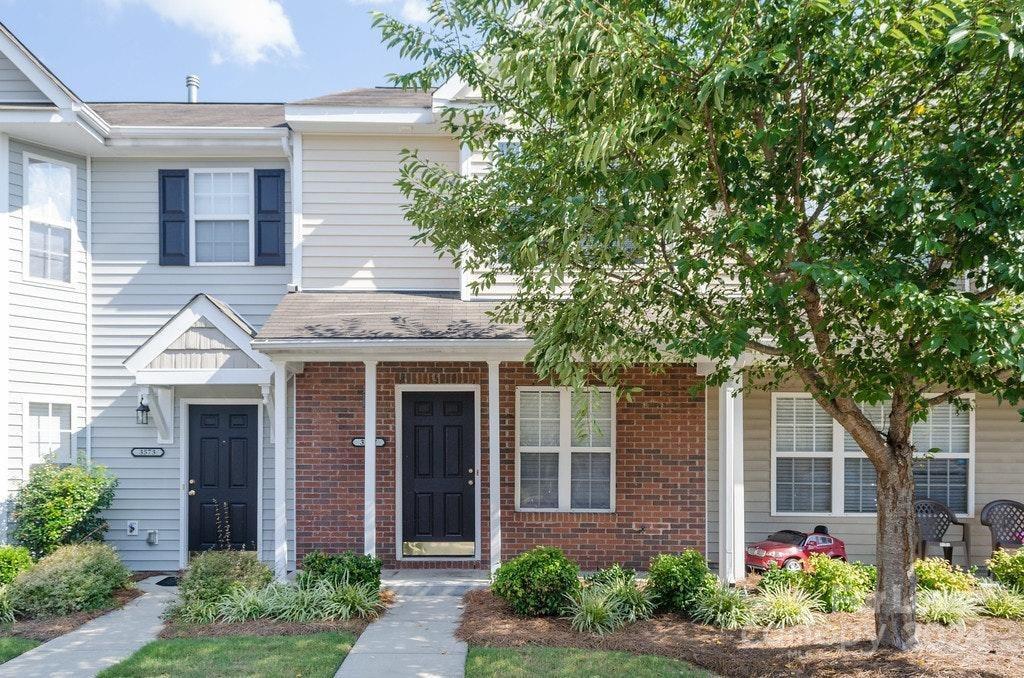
(660, 466)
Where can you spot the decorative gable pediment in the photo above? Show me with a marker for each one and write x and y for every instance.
(205, 342)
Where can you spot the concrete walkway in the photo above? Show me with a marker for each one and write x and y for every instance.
(100, 643)
(416, 638)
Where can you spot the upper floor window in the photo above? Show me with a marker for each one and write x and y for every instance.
(818, 468)
(222, 216)
(49, 218)
(566, 449)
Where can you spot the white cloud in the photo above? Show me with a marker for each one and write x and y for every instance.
(412, 10)
(246, 31)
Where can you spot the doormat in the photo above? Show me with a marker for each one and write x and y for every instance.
(168, 581)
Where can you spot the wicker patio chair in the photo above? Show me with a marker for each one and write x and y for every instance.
(933, 521)
(1005, 520)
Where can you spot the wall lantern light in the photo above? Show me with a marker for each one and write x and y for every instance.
(142, 412)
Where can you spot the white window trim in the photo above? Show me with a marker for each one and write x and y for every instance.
(193, 217)
(839, 455)
(26, 465)
(26, 224)
(564, 451)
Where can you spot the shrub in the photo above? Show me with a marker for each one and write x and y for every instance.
(936, 574)
(347, 567)
(346, 600)
(782, 605)
(537, 582)
(610, 575)
(676, 582)
(636, 602)
(595, 609)
(999, 601)
(725, 607)
(242, 604)
(214, 574)
(71, 579)
(1008, 568)
(838, 585)
(869, 574)
(6, 606)
(945, 607)
(775, 577)
(13, 561)
(61, 505)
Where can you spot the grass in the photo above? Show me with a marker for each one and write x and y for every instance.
(310, 656)
(486, 662)
(12, 646)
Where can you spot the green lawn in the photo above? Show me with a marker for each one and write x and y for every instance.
(311, 656)
(486, 662)
(12, 646)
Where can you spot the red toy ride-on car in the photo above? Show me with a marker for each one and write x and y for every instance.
(792, 550)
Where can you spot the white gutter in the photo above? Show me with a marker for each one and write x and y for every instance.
(5, 332)
(297, 211)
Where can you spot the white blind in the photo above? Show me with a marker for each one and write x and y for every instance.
(801, 426)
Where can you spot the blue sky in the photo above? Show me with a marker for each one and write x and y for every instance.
(243, 50)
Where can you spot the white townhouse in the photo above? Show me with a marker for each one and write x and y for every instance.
(316, 380)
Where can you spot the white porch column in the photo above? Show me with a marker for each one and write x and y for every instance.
(731, 541)
(494, 462)
(370, 459)
(280, 429)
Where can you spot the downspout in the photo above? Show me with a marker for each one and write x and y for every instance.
(88, 310)
(5, 333)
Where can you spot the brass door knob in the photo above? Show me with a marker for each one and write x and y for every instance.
(191, 493)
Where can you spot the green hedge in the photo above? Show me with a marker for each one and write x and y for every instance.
(349, 567)
(61, 505)
(13, 561)
(677, 582)
(538, 582)
(71, 579)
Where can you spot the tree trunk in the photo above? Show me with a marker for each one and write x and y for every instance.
(897, 536)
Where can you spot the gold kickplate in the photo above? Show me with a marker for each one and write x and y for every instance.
(438, 548)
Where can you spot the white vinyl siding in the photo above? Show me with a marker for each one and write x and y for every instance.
(133, 296)
(998, 471)
(15, 86)
(477, 164)
(354, 233)
(47, 317)
(565, 450)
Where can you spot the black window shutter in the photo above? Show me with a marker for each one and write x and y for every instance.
(270, 217)
(173, 217)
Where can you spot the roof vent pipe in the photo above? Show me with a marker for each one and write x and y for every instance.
(192, 86)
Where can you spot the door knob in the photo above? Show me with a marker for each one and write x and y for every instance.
(469, 482)
(191, 493)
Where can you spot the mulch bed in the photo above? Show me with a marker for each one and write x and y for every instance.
(48, 628)
(839, 644)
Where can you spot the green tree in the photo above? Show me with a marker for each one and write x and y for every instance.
(833, 187)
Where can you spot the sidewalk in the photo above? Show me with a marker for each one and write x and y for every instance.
(416, 638)
(100, 643)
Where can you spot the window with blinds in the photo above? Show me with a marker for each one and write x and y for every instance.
(565, 449)
(804, 459)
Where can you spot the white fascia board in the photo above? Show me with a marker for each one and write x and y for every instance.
(224, 376)
(300, 115)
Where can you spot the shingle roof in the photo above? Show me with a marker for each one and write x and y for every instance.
(143, 114)
(383, 315)
(372, 96)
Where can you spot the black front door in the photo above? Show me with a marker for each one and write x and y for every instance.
(222, 462)
(438, 474)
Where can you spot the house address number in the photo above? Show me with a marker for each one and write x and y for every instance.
(147, 451)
